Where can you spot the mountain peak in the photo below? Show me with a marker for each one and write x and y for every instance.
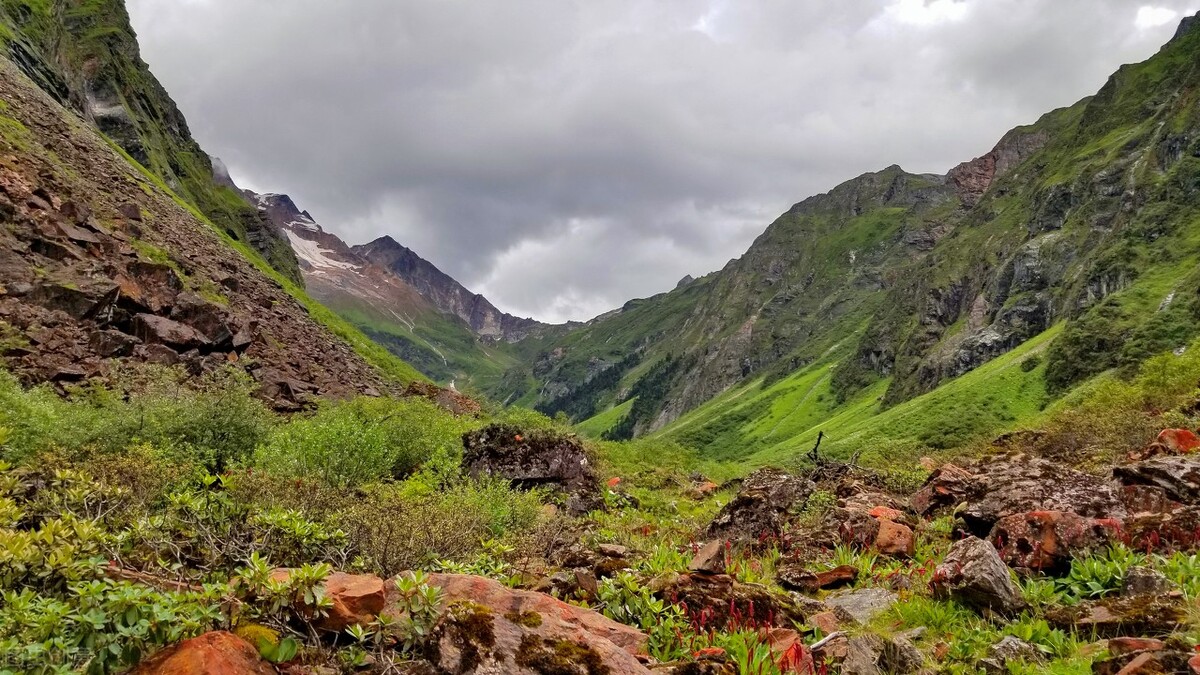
(1186, 26)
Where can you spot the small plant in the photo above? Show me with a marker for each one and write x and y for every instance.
(623, 599)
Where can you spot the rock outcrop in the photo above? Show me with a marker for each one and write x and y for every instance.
(762, 507)
(974, 574)
(534, 459)
(215, 653)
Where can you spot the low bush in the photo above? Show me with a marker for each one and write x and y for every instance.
(366, 439)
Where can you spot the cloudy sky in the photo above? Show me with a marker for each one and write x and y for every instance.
(564, 156)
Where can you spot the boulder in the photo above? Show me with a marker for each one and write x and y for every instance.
(1145, 581)
(148, 287)
(1013, 650)
(356, 598)
(710, 559)
(1179, 441)
(1110, 617)
(862, 655)
(862, 605)
(1177, 529)
(111, 343)
(1178, 476)
(489, 628)
(205, 317)
(713, 601)
(80, 301)
(537, 459)
(974, 574)
(895, 539)
(1024, 484)
(947, 487)
(153, 329)
(1046, 541)
(792, 575)
(762, 507)
(214, 653)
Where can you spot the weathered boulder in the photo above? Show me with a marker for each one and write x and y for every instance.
(947, 487)
(1024, 484)
(710, 559)
(1046, 541)
(80, 301)
(214, 653)
(895, 539)
(974, 574)
(762, 507)
(488, 628)
(1177, 529)
(205, 317)
(538, 459)
(793, 575)
(862, 605)
(1145, 581)
(148, 287)
(1178, 476)
(715, 600)
(153, 329)
(1116, 616)
(110, 343)
(1013, 650)
(356, 598)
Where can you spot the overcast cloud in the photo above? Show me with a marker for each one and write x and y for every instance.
(564, 156)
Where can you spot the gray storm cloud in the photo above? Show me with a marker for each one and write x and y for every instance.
(563, 156)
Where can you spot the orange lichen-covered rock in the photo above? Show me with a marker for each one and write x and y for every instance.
(215, 653)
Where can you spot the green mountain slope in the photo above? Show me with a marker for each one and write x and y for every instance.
(1076, 238)
(84, 53)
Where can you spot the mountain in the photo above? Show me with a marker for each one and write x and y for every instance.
(399, 299)
(119, 247)
(85, 56)
(1074, 238)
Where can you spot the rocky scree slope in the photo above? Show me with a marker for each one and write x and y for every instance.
(100, 264)
(86, 56)
(1085, 217)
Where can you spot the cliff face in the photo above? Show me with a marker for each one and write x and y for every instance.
(85, 55)
(1083, 217)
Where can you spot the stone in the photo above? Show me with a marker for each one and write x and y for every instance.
(213, 653)
(947, 487)
(1117, 616)
(900, 656)
(715, 600)
(612, 550)
(149, 287)
(488, 628)
(155, 329)
(1178, 476)
(356, 598)
(1145, 581)
(762, 507)
(974, 574)
(534, 459)
(710, 559)
(1194, 665)
(1013, 649)
(130, 212)
(826, 622)
(111, 343)
(1119, 646)
(205, 317)
(89, 300)
(1025, 484)
(862, 605)
(862, 655)
(895, 540)
(1179, 441)
(793, 576)
(1047, 541)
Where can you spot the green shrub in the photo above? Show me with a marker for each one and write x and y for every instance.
(213, 419)
(355, 442)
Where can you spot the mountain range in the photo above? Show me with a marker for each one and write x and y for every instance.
(1067, 251)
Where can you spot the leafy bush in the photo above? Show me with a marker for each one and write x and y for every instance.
(625, 600)
(213, 419)
(355, 442)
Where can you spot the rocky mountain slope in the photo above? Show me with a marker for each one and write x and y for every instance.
(103, 263)
(894, 283)
(86, 56)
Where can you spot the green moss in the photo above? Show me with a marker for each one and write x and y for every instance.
(559, 657)
(526, 619)
(473, 633)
